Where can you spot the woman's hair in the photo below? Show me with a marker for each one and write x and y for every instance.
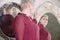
(6, 22)
(1, 12)
(9, 7)
(25, 2)
(43, 16)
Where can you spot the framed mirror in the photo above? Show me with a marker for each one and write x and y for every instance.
(53, 26)
(53, 13)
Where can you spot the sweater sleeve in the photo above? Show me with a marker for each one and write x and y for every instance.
(19, 27)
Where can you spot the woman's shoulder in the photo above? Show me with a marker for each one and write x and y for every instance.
(21, 14)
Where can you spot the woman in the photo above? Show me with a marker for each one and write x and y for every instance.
(7, 22)
(25, 28)
(44, 34)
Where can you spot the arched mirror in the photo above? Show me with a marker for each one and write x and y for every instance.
(52, 12)
(53, 26)
(12, 9)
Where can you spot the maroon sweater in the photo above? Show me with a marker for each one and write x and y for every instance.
(25, 28)
(44, 34)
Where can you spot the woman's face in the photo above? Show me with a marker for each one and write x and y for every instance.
(10, 11)
(44, 20)
(29, 7)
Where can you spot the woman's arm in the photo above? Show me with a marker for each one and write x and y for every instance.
(19, 27)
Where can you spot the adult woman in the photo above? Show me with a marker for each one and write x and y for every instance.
(44, 34)
(7, 21)
(25, 28)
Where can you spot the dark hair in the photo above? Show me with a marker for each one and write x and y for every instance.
(6, 23)
(9, 7)
(43, 16)
(1, 12)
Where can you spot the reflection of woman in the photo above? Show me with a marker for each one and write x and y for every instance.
(7, 21)
(25, 28)
(9, 10)
(44, 34)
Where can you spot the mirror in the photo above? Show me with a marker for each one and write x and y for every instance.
(12, 9)
(53, 26)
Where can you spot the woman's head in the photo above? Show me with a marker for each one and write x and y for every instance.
(9, 9)
(27, 5)
(6, 22)
(44, 20)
